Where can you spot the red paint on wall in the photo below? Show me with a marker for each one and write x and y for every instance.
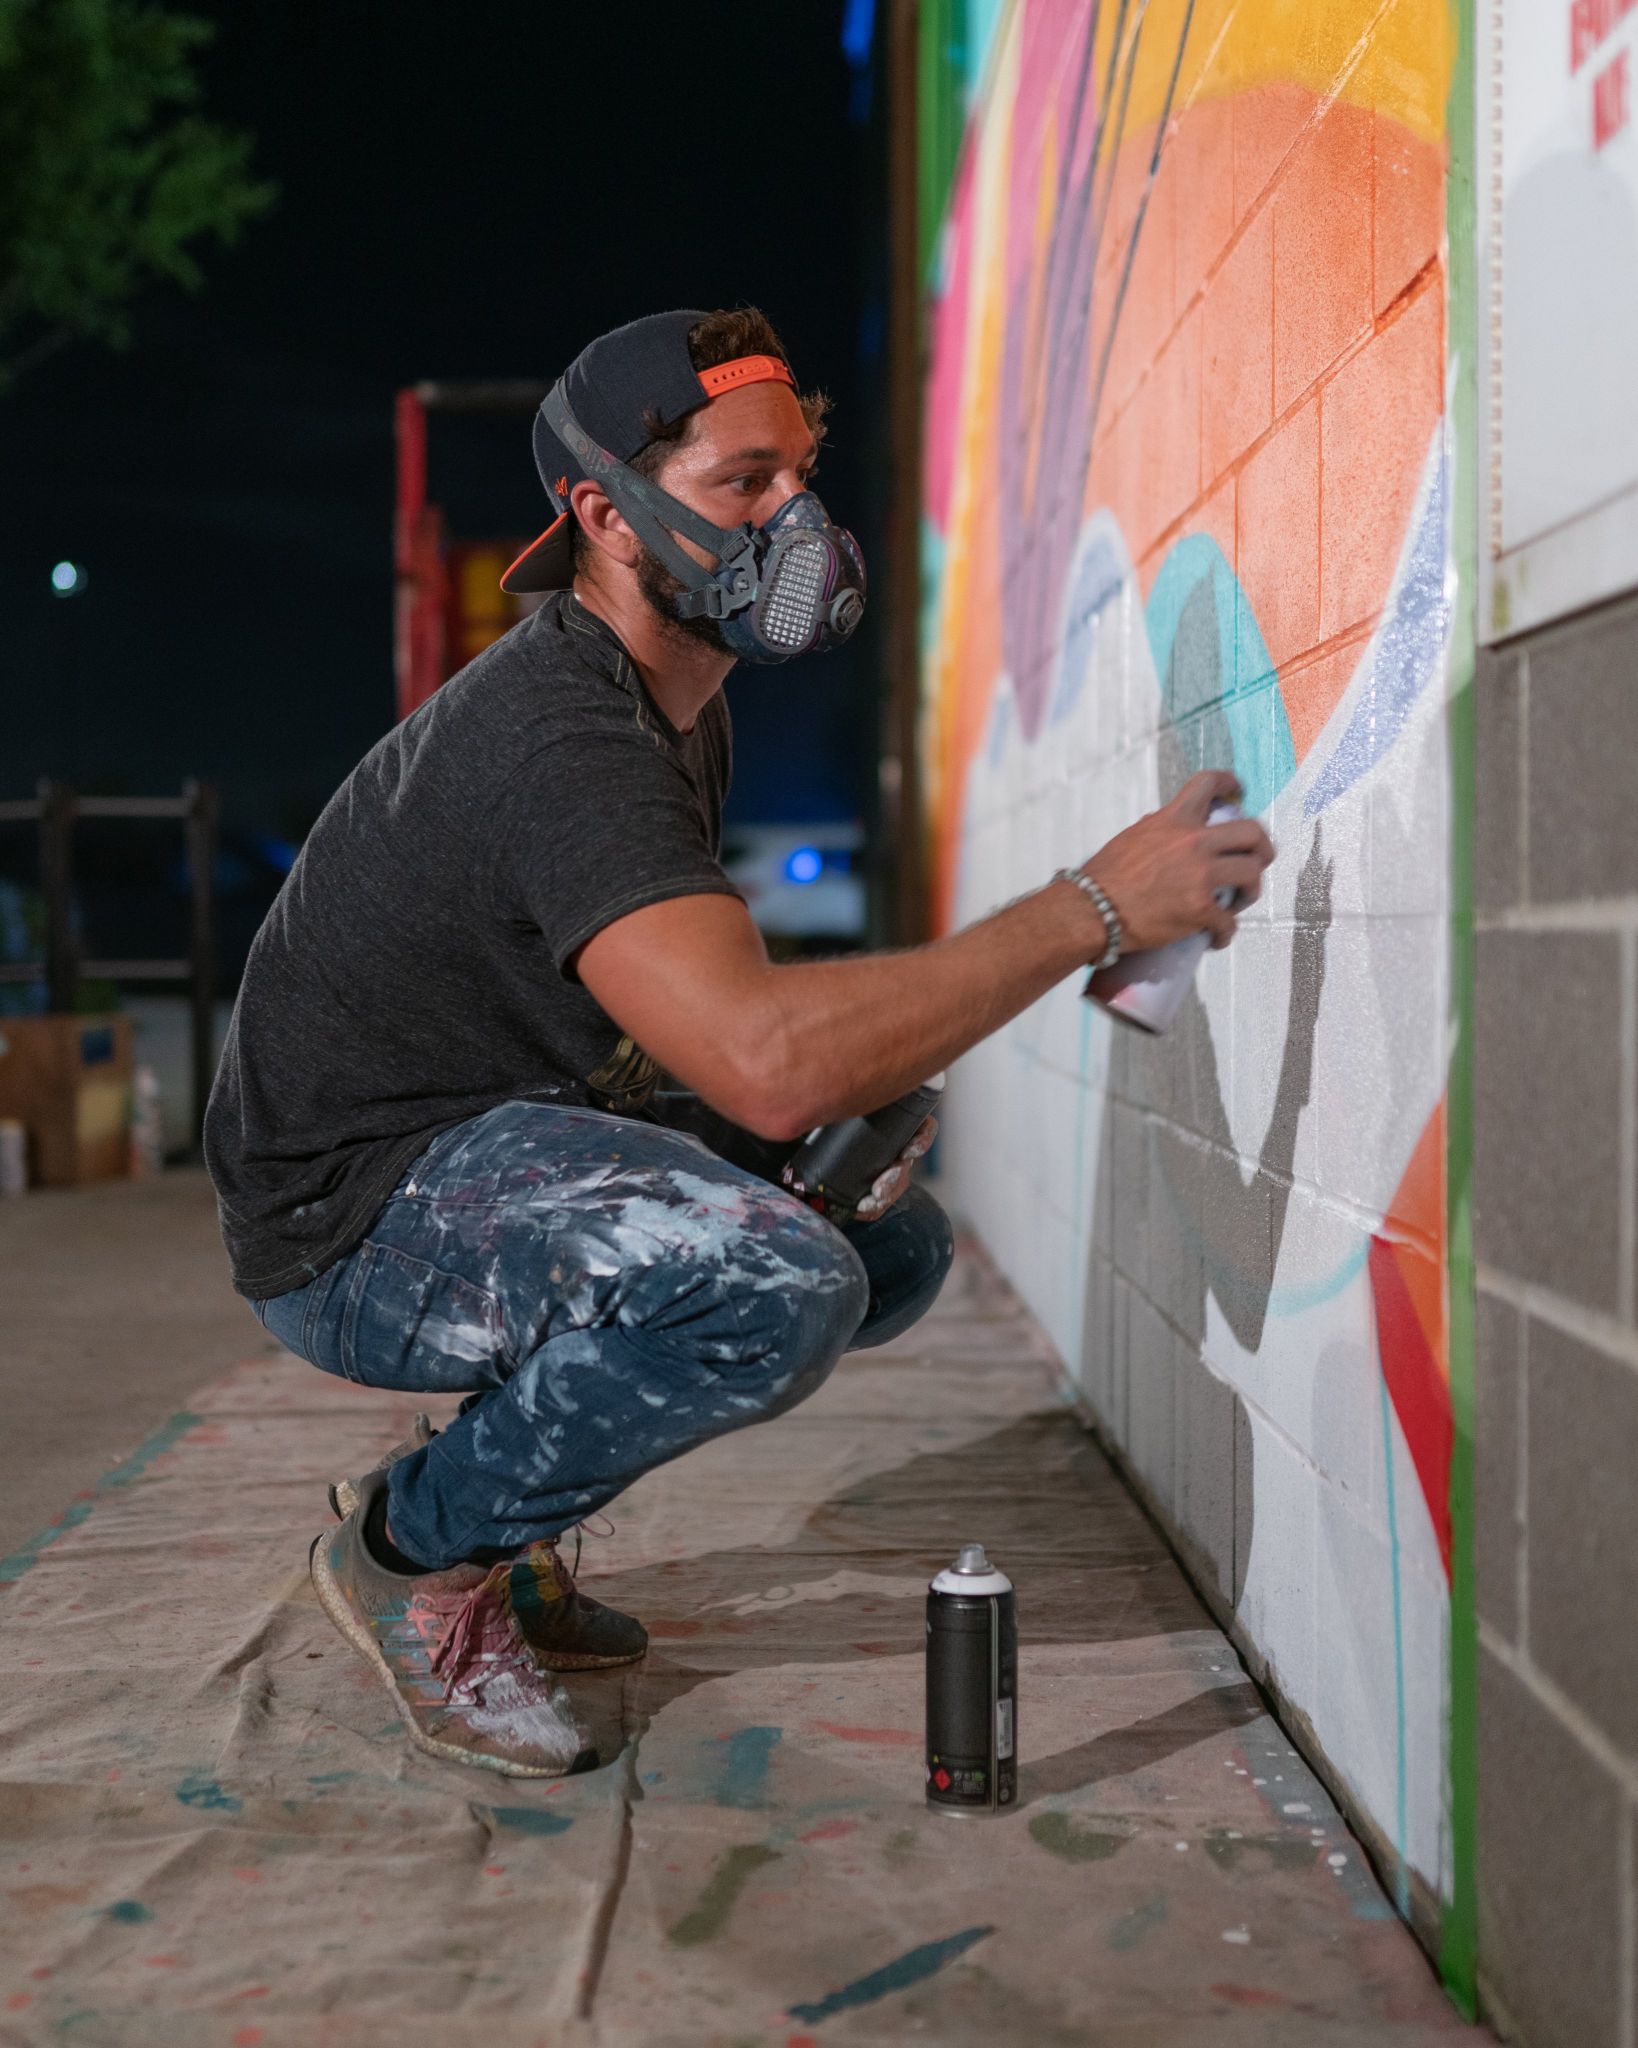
(1408, 1289)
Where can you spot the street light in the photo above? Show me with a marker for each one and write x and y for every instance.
(68, 579)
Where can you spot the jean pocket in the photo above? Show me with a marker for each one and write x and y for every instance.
(415, 1328)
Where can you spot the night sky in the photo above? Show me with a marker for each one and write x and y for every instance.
(468, 191)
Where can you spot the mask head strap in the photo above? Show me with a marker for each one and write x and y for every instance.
(657, 517)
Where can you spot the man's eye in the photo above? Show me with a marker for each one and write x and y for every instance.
(748, 486)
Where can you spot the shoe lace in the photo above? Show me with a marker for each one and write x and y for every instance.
(455, 1649)
(584, 1528)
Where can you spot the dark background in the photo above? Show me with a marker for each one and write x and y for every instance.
(464, 192)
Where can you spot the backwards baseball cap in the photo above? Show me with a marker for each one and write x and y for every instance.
(620, 388)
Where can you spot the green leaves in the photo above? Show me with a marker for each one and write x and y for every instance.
(108, 177)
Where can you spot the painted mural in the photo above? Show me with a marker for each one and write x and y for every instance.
(1186, 504)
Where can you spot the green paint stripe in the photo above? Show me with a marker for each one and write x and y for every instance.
(1458, 1948)
(897, 1975)
(165, 1438)
(941, 117)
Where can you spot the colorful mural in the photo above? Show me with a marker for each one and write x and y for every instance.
(1187, 503)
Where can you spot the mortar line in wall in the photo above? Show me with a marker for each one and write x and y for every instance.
(1573, 1719)
(1254, 1407)
(1605, 914)
(1627, 1135)
(1627, 1968)
(1322, 107)
(1597, 612)
(1396, 308)
(1522, 879)
(1174, 529)
(1521, 1478)
(1343, 1209)
(1401, 1789)
(1599, 1331)
(1286, 1711)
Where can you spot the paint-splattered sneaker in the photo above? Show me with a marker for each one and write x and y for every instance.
(450, 1648)
(344, 1493)
(567, 1629)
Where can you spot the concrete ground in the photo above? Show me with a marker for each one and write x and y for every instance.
(213, 1832)
(114, 1306)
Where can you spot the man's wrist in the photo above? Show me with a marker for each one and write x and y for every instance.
(1108, 915)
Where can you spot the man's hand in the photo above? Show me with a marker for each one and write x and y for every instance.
(888, 1186)
(1163, 873)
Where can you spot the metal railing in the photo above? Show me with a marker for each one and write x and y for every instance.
(56, 809)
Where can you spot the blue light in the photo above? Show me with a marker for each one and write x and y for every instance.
(68, 579)
(858, 31)
(803, 864)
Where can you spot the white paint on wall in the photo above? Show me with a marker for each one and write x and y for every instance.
(1072, 1149)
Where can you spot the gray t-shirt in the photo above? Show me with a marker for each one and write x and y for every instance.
(414, 969)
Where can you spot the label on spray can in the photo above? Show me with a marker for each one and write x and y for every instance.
(972, 1687)
(1147, 989)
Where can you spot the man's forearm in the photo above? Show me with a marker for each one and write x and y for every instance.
(845, 1036)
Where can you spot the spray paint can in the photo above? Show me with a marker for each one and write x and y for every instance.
(972, 1687)
(1147, 989)
(835, 1166)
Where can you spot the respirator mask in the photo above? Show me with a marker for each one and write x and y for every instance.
(794, 585)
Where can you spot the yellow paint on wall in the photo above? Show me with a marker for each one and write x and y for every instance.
(1393, 55)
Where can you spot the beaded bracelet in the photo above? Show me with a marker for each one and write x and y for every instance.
(1105, 909)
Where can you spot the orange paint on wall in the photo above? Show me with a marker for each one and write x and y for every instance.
(1377, 416)
(1271, 319)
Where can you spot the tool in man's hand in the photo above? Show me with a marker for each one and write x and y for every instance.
(835, 1167)
(1147, 989)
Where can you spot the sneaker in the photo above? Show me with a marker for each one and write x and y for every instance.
(450, 1648)
(567, 1630)
(344, 1493)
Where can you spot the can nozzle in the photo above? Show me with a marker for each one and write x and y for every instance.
(972, 1559)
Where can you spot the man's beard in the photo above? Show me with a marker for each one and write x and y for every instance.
(661, 589)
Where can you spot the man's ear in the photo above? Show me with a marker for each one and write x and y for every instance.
(602, 524)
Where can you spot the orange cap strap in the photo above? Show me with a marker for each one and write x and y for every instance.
(745, 370)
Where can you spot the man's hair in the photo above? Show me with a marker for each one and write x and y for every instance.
(721, 337)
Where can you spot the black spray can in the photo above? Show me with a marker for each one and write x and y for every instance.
(835, 1166)
(972, 1687)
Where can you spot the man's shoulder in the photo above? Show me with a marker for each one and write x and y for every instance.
(542, 647)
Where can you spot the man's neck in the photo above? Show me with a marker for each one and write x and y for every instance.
(681, 674)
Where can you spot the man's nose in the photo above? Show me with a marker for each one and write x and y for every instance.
(786, 486)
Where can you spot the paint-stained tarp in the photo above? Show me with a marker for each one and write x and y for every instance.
(213, 1832)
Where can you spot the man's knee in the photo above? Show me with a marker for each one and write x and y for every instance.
(928, 1241)
(798, 1319)
(908, 1255)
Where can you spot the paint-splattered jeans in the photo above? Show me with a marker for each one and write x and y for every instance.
(611, 1294)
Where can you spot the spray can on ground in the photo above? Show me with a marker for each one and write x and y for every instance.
(1147, 989)
(972, 1687)
(835, 1166)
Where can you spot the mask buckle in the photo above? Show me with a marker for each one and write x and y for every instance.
(731, 587)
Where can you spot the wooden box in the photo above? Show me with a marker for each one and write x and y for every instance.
(68, 1081)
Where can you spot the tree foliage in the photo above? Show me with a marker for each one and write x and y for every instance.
(109, 176)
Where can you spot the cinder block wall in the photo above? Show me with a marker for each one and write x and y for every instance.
(1555, 1190)
(1187, 502)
